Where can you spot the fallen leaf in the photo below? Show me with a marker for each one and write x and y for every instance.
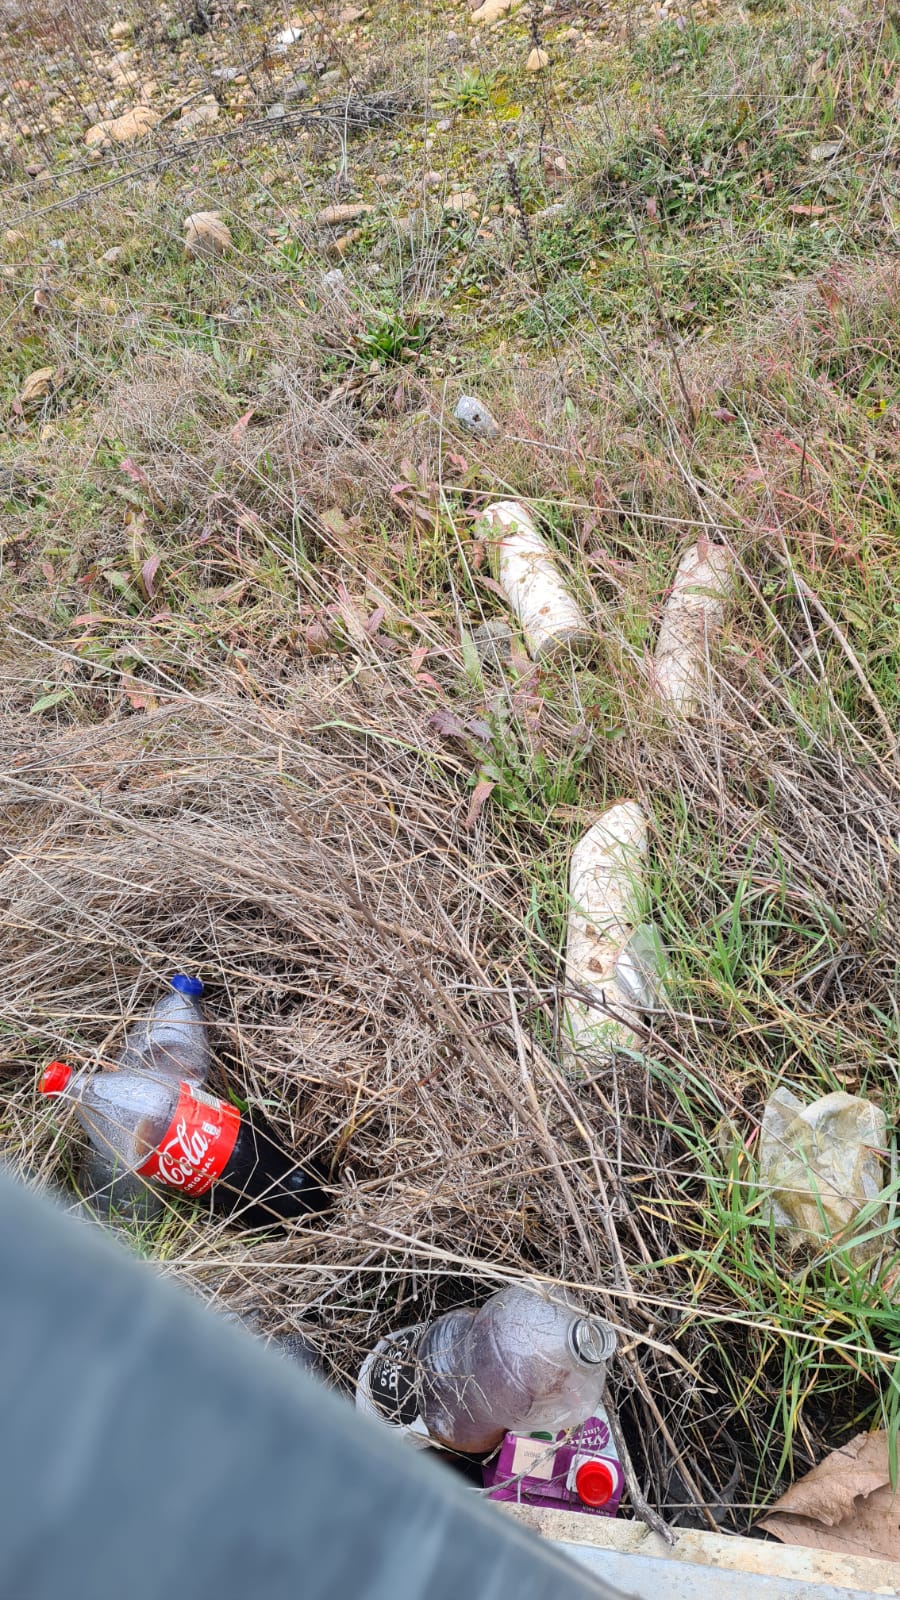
(135, 473)
(652, 208)
(537, 61)
(36, 386)
(447, 724)
(149, 569)
(131, 125)
(846, 1503)
(334, 216)
(417, 658)
(47, 570)
(340, 246)
(480, 796)
(807, 211)
(722, 414)
(47, 701)
(205, 234)
(42, 300)
(241, 426)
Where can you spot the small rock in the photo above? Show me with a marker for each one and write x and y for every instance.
(334, 282)
(537, 61)
(330, 80)
(227, 74)
(276, 112)
(134, 124)
(476, 417)
(351, 14)
(205, 235)
(337, 215)
(461, 202)
(288, 36)
(113, 256)
(201, 116)
(493, 641)
(491, 10)
(120, 31)
(298, 90)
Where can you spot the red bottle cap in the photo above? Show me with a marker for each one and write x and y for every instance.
(55, 1078)
(594, 1483)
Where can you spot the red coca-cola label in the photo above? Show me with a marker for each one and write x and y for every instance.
(195, 1147)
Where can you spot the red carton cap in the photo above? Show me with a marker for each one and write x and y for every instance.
(594, 1483)
(55, 1078)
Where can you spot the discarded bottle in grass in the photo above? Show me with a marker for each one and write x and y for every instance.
(173, 1041)
(521, 1363)
(175, 1134)
(551, 618)
(578, 1470)
(293, 1347)
(615, 961)
(691, 621)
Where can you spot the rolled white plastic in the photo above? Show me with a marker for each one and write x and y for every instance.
(607, 890)
(551, 618)
(693, 615)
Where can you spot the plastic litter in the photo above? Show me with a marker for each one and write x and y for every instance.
(693, 615)
(476, 417)
(521, 1363)
(175, 1134)
(552, 620)
(615, 960)
(174, 1041)
(820, 1164)
(579, 1470)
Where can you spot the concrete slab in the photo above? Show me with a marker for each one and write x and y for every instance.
(708, 1566)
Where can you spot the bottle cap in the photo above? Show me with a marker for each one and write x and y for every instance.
(185, 985)
(593, 1340)
(594, 1483)
(55, 1078)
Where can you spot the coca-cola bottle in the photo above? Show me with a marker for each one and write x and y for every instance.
(522, 1363)
(173, 1041)
(175, 1134)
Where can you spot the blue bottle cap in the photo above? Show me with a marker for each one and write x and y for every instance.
(186, 985)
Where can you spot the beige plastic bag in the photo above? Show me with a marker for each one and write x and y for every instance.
(613, 958)
(821, 1164)
(693, 616)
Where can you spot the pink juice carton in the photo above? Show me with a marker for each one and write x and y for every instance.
(579, 1470)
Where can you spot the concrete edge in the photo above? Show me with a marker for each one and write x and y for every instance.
(868, 1575)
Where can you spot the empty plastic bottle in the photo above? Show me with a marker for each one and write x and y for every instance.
(522, 1363)
(173, 1041)
(175, 1134)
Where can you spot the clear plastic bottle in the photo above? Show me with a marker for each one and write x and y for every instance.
(175, 1134)
(522, 1363)
(173, 1042)
(174, 1039)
